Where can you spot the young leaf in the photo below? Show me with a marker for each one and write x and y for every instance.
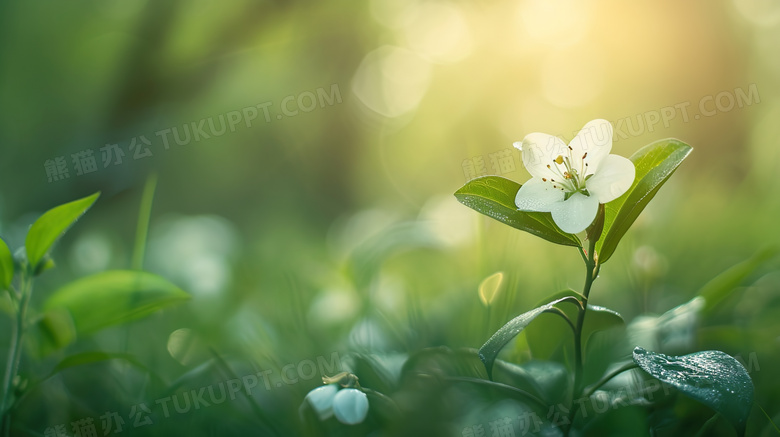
(6, 266)
(114, 297)
(548, 380)
(91, 357)
(52, 331)
(550, 326)
(600, 318)
(489, 351)
(51, 225)
(83, 358)
(711, 377)
(494, 196)
(597, 319)
(654, 164)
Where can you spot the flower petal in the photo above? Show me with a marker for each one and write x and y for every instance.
(595, 139)
(350, 406)
(539, 151)
(576, 213)
(537, 195)
(615, 176)
(321, 399)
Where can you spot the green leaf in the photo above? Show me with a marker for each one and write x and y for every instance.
(719, 287)
(489, 351)
(52, 331)
(51, 225)
(549, 327)
(442, 360)
(6, 266)
(494, 196)
(654, 164)
(600, 318)
(114, 297)
(548, 380)
(374, 372)
(94, 357)
(550, 334)
(673, 331)
(91, 357)
(711, 377)
(83, 358)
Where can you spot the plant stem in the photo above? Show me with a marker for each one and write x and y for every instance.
(590, 276)
(15, 354)
(591, 272)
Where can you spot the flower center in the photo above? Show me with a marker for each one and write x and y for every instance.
(571, 174)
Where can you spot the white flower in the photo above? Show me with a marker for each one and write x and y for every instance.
(570, 181)
(349, 405)
(321, 399)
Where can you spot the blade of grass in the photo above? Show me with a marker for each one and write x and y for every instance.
(144, 214)
(768, 418)
(264, 419)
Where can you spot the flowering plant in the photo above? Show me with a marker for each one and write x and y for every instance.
(582, 187)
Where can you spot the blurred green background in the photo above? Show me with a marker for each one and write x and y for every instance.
(330, 226)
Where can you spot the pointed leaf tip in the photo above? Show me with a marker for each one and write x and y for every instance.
(654, 164)
(52, 225)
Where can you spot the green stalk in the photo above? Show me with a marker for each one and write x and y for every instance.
(142, 229)
(15, 355)
(591, 273)
(141, 234)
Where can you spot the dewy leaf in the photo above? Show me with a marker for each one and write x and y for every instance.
(51, 225)
(654, 164)
(494, 196)
(6, 266)
(489, 351)
(114, 297)
(711, 377)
